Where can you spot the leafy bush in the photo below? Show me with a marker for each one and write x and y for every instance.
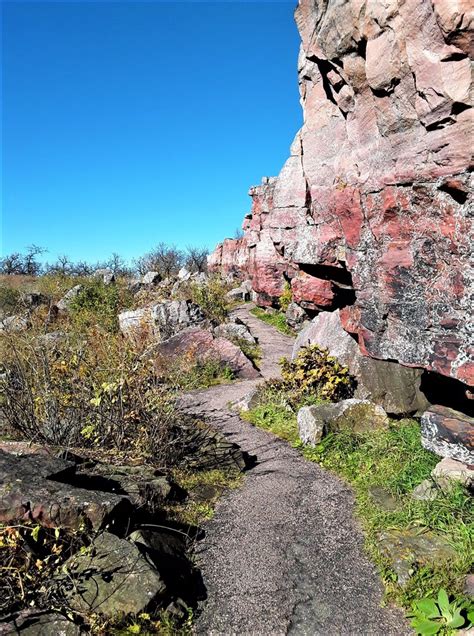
(87, 390)
(315, 373)
(287, 297)
(430, 615)
(211, 297)
(99, 304)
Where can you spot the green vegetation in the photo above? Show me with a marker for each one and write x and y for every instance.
(286, 297)
(277, 320)
(211, 297)
(431, 615)
(9, 300)
(189, 373)
(392, 459)
(99, 304)
(315, 374)
(204, 488)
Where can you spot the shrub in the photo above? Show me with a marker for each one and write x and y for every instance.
(286, 297)
(211, 297)
(99, 304)
(9, 300)
(88, 390)
(314, 373)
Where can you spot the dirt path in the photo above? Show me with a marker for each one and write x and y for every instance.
(283, 554)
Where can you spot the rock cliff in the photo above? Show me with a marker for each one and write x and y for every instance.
(370, 213)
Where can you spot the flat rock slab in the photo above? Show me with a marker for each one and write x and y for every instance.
(31, 488)
(283, 554)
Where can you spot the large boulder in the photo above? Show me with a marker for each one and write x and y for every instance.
(389, 384)
(201, 345)
(162, 320)
(358, 416)
(448, 433)
(111, 577)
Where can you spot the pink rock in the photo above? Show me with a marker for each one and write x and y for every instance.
(377, 182)
(202, 345)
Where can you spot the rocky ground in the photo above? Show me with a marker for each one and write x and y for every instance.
(283, 554)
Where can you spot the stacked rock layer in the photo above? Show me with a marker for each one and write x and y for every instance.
(370, 213)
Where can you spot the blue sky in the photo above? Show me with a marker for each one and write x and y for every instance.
(129, 123)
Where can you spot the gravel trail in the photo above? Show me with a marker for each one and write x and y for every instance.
(283, 554)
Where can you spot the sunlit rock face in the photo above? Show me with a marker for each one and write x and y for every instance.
(370, 213)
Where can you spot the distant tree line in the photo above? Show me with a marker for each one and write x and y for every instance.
(165, 259)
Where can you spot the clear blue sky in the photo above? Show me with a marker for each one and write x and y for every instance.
(129, 123)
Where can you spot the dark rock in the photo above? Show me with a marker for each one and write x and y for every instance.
(143, 485)
(111, 577)
(37, 487)
(38, 623)
(33, 299)
(448, 433)
(412, 548)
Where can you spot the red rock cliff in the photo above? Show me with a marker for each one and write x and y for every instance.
(371, 210)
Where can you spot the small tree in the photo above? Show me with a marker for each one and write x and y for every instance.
(196, 259)
(164, 259)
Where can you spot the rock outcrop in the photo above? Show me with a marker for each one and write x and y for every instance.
(370, 212)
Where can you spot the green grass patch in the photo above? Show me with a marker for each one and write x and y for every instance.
(395, 460)
(277, 320)
(204, 487)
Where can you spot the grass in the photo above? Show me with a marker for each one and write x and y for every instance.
(395, 460)
(277, 320)
(204, 487)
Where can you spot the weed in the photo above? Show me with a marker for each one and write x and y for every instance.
(432, 615)
(286, 298)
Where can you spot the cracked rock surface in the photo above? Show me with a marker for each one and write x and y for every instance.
(283, 554)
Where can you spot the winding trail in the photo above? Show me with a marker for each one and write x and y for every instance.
(283, 554)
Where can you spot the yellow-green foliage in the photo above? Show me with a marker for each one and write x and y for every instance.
(9, 300)
(314, 372)
(99, 304)
(286, 297)
(90, 389)
(211, 297)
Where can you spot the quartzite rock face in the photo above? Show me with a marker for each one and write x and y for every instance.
(370, 211)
